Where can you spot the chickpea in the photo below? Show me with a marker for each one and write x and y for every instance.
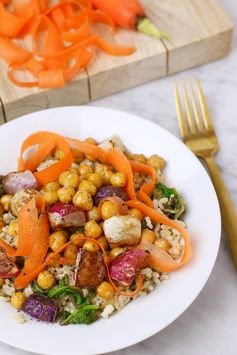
(134, 212)
(18, 299)
(84, 170)
(156, 162)
(78, 239)
(140, 158)
(107, 176)
(116, 252)
(5, 201)
(94, 214)
(58, 239)
(118, 179)
(91, 246)
(83, 200)
(78, 156)
(148, 235)
(52, 186)
(65, 194)
(46, 280)
(2, 281)
(50, 197)
(92, 229)
(101, 168)
(103, 242)
(90, 140)
(69, 179)
(105, 290)
(88, 186)
(1, 210)
(96, 179)
(162, 244)
(108, 209)
(59, 154)
(70, 252)
(54, 262)
(13, 228)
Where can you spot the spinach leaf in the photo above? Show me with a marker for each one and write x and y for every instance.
(84, 315)
(174, 208)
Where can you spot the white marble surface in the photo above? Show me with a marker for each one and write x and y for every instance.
(209, 326)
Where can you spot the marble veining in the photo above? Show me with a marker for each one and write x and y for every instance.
(208, 327)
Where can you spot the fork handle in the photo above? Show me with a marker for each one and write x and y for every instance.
(229, 216)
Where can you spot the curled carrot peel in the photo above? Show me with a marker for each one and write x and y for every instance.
(45, 141)
(60, 35)
(147, 188)
(158, 258)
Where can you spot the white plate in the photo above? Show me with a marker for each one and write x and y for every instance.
(147, 315)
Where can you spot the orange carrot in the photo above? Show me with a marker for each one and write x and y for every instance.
(10, 25)
(10, 52)
(24, 280)
(51, 173)
(160, 259)
(147, 188)
(125, 13)
(112, 48)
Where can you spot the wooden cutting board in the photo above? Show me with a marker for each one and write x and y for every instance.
(201, 32)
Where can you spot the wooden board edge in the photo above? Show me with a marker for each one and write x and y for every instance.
(2, 113)
(76, 93)
(210, 49)
(133, 74)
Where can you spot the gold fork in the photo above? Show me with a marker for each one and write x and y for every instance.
(198, 134)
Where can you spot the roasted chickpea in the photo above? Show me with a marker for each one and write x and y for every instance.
(88, 186)
(83, 200)
(70, 252)
(5, 201)
(92, 229)
(116, 252)
(50, 197)
(2, 281)
(107, 176)
(103, 242)
(148, 235)
(59, 154)
(96, 179)
(46, 280)
(52, 186)
(118, 180)
(105, 290)
(65, 194)
(91, 246)
(1, 210)
(18, 299)
(13, 228)
(94, 214)
(134, 212)
(58, 239)
(78, 239)
(108, 209)
(55, 261)
(84, 170)
(156, 162)
(101, 168)
(78, 156)
(162, 244)
(140, 158)
(69, 179)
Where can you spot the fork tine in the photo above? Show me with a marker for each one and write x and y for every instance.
(180, 113)
(196, 110)
(206, 115)
(192, 127)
